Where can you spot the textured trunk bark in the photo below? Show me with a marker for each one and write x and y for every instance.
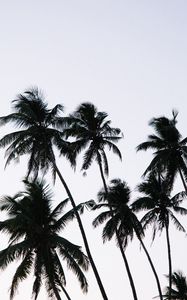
(83, 234)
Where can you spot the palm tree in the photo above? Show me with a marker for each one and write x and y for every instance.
(41, 129)
(33, 228)
(180, 290)
(170, 149)
(92, 131)
(123, 220)
(161, 208)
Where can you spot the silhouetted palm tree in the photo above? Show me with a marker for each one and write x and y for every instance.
(179, 290)
(161, 208)
(170, 149)
(41, 130)
(33, 228)
(123, 220)
(92, 133)
(117, 217)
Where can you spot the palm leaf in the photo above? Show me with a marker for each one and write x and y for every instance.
(13, 252)
(101, 218)
(21, 273)
(176, 222)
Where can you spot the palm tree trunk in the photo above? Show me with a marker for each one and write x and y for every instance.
(83, 234)
(117, 235)
(182, 178)
(169, 260)
(128, 269)
(66, 293)
(152, 267)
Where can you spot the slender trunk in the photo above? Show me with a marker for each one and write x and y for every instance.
(169, 260)
(152, 267)
(127, 268)
(182, 178)
(117, 235)
(66, 293)
(83, 234)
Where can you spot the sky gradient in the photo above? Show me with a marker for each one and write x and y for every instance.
(129, 59)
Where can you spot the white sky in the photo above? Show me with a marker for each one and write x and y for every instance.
(129, 59)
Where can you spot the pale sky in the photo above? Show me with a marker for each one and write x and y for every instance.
(130, 59)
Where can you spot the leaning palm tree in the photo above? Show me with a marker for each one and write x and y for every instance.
(41, 129)
(161, 208)
(179, 292)
(91, 131)
(33, 228)
(123, 220)
(170, 148)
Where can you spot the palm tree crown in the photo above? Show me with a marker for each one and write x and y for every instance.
(33, 228)
(170, 148)
(123, 218)
(161, 207)
(40, 130)
(179, 290)
(92, 131)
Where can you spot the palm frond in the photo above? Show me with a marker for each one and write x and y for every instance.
(13, 252)
(70, 259)
(21, 272)
(142, 203)
(110, 228)
(59, 208)
(176, 222)
(88, 157)
(101, 218)
(105, 162)
(38, 264)
(113, 147)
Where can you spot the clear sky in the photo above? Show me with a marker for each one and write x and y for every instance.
(130, 59)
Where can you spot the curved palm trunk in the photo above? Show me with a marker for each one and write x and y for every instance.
(83, 234)
(66, 293)
(118, 238)
(182, 178)
(127, 268)
(152, 267)
(169, 260)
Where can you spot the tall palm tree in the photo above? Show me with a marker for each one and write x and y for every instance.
(161, 208)
(122, 219)
(179, 292)
(41, 129)
(170, 149)
(91, 131)
(33, 228)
